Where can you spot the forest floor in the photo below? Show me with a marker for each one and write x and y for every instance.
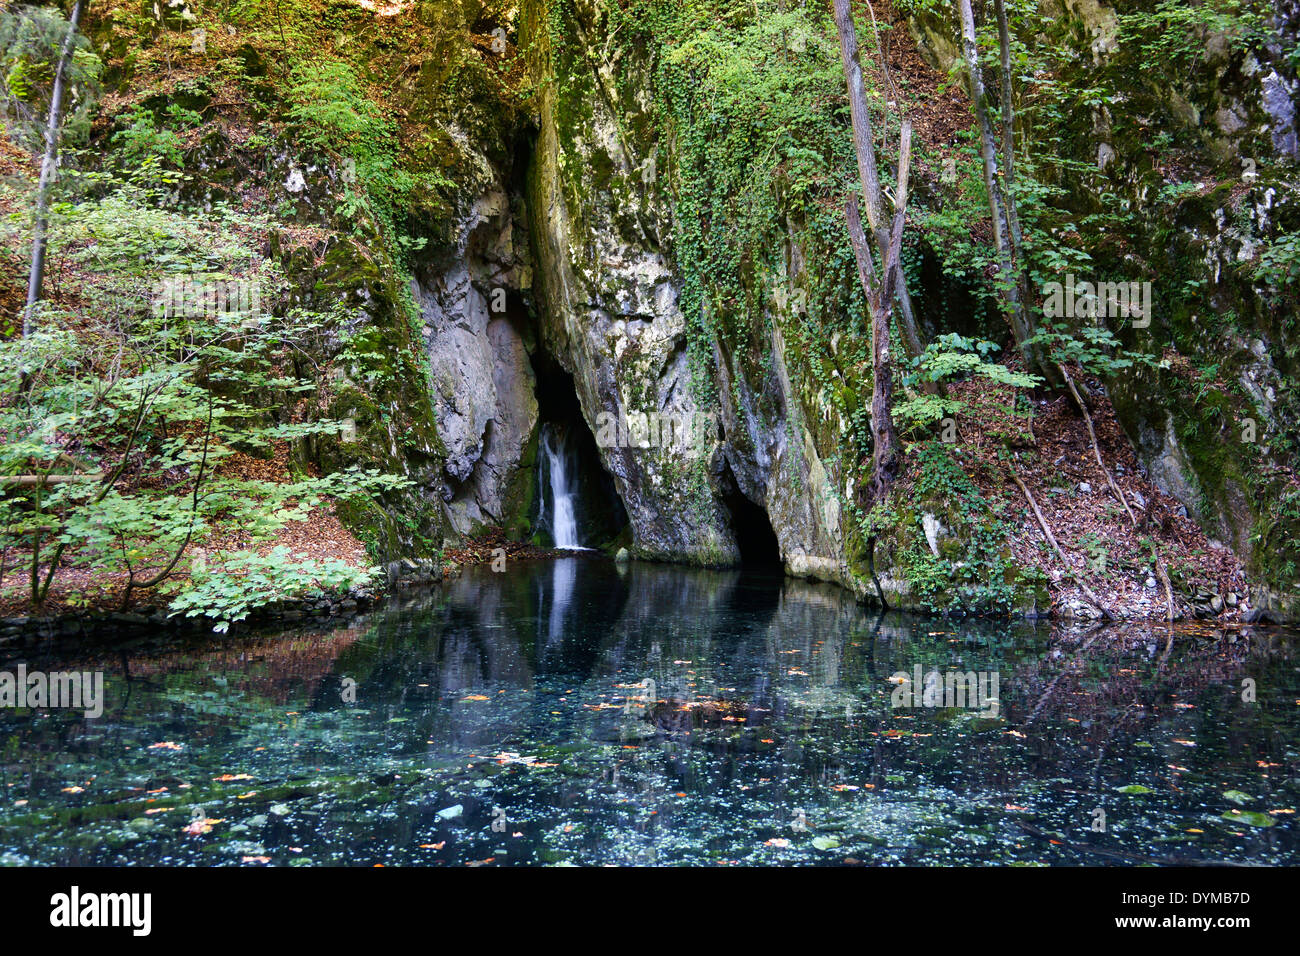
(1053, 455)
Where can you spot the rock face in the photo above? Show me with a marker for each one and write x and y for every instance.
(608, 299)
(608, 308)
(1218, 449)
(480, 374)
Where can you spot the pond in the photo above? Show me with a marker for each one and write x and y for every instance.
(579, 712)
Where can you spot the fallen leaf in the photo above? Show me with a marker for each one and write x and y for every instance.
(199, 827)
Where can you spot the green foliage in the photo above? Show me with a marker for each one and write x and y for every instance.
(978, 573)
(760, 148)
(1094, 348)
(950, 358)
(1174, 35)
(245, 580)
(31, 44)
(334, 114)
(1278, 267)
(144, 146)
(135, 403)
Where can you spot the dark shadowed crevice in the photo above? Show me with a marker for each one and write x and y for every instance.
(750, 525)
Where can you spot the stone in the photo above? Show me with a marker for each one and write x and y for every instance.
(1085, 487)
(1078, 608)
(451, 813)
(933, 529)
(622, 557)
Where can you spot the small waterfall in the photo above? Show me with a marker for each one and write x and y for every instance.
(562, 489)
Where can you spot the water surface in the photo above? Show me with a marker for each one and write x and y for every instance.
(508, 719)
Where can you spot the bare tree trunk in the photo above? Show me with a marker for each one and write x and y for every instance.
(865, 148)
(49, 168)
(1009, 133)
(1021, 327)
(988, 150)
(886, 454)
(1035, 354)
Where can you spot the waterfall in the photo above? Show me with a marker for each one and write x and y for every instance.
(562, 489)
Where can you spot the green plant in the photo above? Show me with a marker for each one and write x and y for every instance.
(31, 41)
(245, 580)
(115, 422)
(1094, 348)
(948, 358)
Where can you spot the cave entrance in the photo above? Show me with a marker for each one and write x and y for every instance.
(751, 526)
(577, 503)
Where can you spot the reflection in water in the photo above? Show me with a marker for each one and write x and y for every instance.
(565, 573)
(770, 737)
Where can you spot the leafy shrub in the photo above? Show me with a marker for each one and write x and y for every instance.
(246, 580)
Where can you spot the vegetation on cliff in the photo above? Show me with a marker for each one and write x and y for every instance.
(323, 158)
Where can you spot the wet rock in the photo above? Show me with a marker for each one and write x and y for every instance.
(1078, 608)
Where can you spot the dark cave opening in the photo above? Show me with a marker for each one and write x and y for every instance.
(598, 511)
(750, 524)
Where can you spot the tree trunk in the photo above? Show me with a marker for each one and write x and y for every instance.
(49, 168)
(865, 149)
(1009, 134)
(1036, 355)
(886, 456)
(1021, 327)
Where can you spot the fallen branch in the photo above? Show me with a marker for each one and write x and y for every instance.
(1164, 579)
(31, 481)
(1096, 448)
(1170, 607)
(1051, 539)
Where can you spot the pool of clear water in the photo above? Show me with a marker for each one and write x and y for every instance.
(578, 712)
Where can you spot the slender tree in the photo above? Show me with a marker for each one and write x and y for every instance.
(49, 169)
(1008, 132)
(879, 292)
(864, 146)
(879, 288)
(1006, 223)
